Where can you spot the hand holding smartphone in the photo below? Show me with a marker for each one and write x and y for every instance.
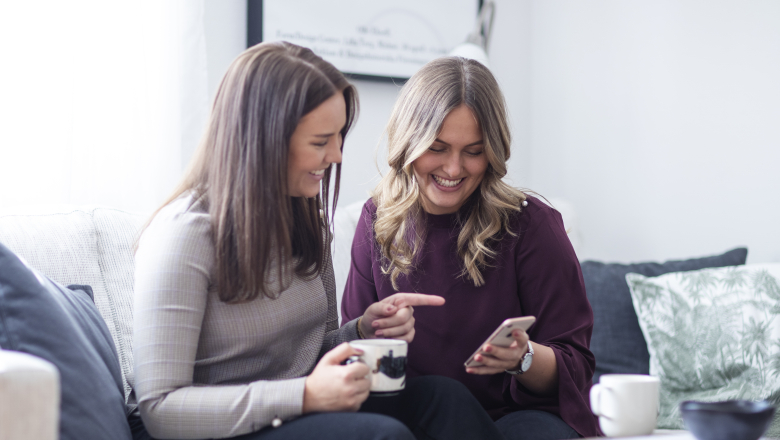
(502, 337)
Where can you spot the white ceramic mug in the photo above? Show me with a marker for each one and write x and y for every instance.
(627, 404)
(386, 360)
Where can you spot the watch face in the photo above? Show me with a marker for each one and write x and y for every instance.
(526, 363)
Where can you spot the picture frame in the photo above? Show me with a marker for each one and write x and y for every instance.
(366, 40)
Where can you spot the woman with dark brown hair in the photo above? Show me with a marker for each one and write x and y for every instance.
(235, 332)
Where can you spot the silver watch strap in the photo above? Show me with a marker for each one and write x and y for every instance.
(529, 353)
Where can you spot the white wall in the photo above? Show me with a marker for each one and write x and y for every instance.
(510, 62)
(365, 150)
(100, 102)
(657, 120)
(225, 26)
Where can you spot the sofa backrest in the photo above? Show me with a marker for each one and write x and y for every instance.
(83, 245)
(344, 225)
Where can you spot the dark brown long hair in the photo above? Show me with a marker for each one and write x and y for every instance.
(240, 170)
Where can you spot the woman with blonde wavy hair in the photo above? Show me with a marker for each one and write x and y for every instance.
(443, 221)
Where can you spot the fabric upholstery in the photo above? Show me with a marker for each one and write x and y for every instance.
(713, 335)
(617, 340)
(45, 319)
(344, 225)
(83, 245)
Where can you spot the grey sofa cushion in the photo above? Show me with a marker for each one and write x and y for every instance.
(45, 319)
(83, 245)
(617, 340)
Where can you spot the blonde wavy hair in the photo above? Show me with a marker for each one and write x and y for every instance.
(425, 100)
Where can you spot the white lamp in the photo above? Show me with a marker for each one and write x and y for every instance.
(476, 44)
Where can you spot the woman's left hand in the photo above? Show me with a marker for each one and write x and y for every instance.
(393, 317)
(498, 359)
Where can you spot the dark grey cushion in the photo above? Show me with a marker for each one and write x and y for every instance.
(45, 319)
(617, 340)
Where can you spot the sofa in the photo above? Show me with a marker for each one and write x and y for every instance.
(84, 248)
(86, 254)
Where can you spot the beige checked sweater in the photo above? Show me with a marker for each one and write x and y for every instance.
(207, 369)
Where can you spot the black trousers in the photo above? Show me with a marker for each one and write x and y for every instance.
(534, 425)
(430, 407)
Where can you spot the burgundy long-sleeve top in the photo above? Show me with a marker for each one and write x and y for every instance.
(534, 273)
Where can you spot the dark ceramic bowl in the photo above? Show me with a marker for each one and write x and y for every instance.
(729, 420)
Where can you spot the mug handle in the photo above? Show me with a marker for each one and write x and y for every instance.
(352, 359)
(356, 358)
(595, 399)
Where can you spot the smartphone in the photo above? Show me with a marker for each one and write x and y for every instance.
(502, 337)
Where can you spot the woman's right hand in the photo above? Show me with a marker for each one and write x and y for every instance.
(393, 317)
(335, 387)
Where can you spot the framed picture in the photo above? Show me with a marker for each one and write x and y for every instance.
(366, 38)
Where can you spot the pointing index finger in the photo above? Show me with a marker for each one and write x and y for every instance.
(401, 300)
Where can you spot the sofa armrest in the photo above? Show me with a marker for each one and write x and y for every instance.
(29, 397)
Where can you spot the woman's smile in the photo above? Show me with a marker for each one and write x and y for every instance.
(447, 184)
(454, 166)
(315, 145)
(317, 175)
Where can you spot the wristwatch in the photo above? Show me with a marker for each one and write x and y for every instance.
(525, 362)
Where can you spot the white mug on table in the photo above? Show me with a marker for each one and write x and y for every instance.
(627, 404)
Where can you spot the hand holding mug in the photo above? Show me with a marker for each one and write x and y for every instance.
(335, 387)
(393, 317)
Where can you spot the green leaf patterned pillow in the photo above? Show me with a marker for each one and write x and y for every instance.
(712, 334)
